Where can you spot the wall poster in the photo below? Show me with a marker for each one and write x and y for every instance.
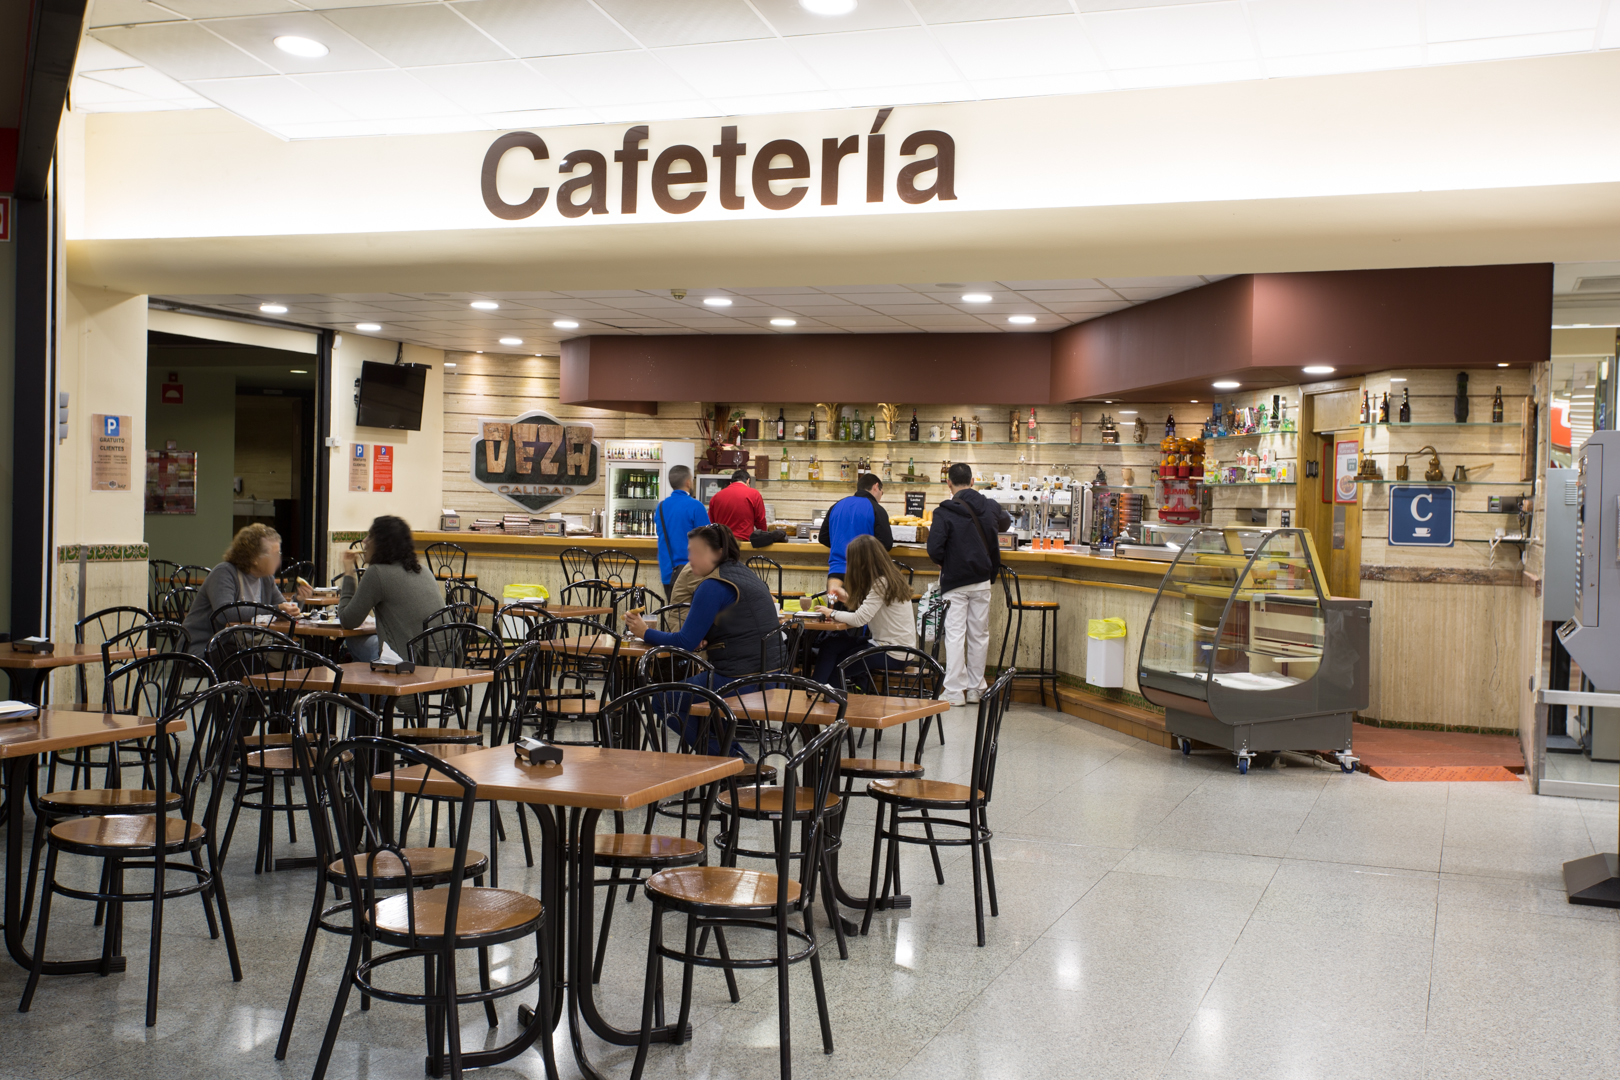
(109, 452)
(359, 467)
(382, 469)
(171, 481)
(1346, 461)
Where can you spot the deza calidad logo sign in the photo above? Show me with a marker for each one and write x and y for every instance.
(682, 179)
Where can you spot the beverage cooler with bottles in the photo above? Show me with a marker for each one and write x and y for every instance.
(637, 477)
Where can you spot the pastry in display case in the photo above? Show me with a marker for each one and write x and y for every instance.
(1245, 650)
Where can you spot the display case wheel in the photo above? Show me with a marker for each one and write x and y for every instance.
(1243, 766)
(1186, 747)
(1347, 766)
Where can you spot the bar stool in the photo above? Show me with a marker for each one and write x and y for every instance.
(1014, 630)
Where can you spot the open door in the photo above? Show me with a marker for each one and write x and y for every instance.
(1330, 416)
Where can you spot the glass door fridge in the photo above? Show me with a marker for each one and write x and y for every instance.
(637, 477)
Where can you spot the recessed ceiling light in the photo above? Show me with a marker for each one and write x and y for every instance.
(447, 364)
(1319, 369)
(828, 7)
(1108, 401)
(976, 298)
(511, 341)
(1195, 401)
(1396, 378)
(480, 352)
(367, 327)
(1501, 365)
(273, 309)
(298, 371)
(717, 301)
(484, 305)
(1227, 384)
(565, 324)
(1127, 412)
(784, 322)
(308, 48)
(1021, 320)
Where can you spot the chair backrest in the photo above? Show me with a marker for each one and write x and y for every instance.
(320, 720)
(459, 591)
(618, 567)
(507, 705)
(767, 567)
(160, 573)
(176, 603)
(250, 611)
(520, 621)
(446, 560)
(219, 715)
(659, 717)
(577, 564)
(987, 736)
(911, 575)
(233, 639)
(458, 612)
(159, 636)
(100, 626)
(187, 574)
(931, 623)
(359, 549)
(444, 644)
(776, 714)
(1011, 591)
(153, 685)
(670, 617)
(666, 663)
(891, 671)
(279, 676)
(779, 648)
(287, 577)
(590, 592)
(346, 769)
(570, 663)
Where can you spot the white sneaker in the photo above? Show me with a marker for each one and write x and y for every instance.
(956, 701)
(973, 696)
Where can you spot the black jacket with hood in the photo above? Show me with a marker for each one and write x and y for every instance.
(966, 559)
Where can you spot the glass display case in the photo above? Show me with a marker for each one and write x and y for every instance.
(1244, 649)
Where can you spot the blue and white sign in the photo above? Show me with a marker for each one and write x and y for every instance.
(1421, 515)
(112, 427)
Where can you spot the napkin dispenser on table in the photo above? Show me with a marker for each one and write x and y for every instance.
(36, 645)
(398, 667)
(535, 752)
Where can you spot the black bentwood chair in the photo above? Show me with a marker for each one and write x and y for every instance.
(577, 564)
(448, 562)
(895, 797)
(727, 896)
(618, 567)
(130, 842)
(415, 921)
(888, 671)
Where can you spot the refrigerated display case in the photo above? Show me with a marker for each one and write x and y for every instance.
(637, 477)
(1244, 650)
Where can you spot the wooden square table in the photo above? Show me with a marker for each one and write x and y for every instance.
(597, 645)
(27, 670)
(22, 743)
(590, 779)
(556, 611)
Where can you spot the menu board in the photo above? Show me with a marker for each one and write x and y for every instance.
(109, 452)
(171, 481)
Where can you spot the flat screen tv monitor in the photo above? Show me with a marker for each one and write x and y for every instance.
(391, 395)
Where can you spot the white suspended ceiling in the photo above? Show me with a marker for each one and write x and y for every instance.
(470, 65)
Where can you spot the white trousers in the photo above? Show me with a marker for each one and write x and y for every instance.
(967, 639)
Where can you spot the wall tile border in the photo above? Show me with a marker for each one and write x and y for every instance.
(104, 553)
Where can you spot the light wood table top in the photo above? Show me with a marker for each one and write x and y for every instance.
(64, 656)
(870, 711)
(596, 645)
(593, 777)
(330, 629)
(559, 611)
(53, 729)
(318, 600)
(358, 678)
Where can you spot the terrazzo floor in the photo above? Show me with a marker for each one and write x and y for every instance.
(1161, 917)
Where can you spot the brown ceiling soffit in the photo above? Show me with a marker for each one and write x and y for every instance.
(915, 369)
(1262, 329)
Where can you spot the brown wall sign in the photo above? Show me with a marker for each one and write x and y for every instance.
(680, 175)
(534, 460)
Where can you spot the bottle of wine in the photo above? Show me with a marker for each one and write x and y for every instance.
(1034, 429)
(857, 428)
(783, 472)
(1364, 416)
(810, 432)
(871, 428)
(888, 470)
(914, 429)
(911, 467)
(781, 424)
(1383, 410)
(1169, 425)
(1276, 411)
(1406, 405)
(1496, 407)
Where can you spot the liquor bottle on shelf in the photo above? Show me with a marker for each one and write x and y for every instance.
(1365, 416)
(843, 428)
(871, 428)
(1383, 410)
(786, 468)
(781, 424)
(1276, 412)
(888, 470)
(975, 431)
(1496, 407)
(856, 429)
(1034, 430)
(1406, 405)
(810, 432)
(1169, 425)
(954, 436)
(915, 432)
(911, 467)
(1012, 426)
(815, 467)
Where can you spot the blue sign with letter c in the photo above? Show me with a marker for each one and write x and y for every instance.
(1422, 515)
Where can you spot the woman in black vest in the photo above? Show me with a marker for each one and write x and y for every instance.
(732, 611)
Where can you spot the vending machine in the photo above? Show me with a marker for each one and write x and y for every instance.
(637, 477)
(1592, 635)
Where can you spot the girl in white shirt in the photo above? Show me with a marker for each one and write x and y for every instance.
(880, 596)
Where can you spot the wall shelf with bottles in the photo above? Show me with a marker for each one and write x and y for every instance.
(1252, 483)
(1250, 435)
(1435, 424)
(1448, 483)
(761, 446)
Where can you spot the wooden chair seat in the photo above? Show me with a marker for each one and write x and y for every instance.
(471, 579)
(278, 760)
(426, 863)
(103, 800)
(862, 768)
(768, 800)
(418, 735)
(571, 706)
(627, 849)
(720, 886)
(448, 750)
(130, 832)
(1034, 605)
(482, 912)
(268, 738)
(922, 791)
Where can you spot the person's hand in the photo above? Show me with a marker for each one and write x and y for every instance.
(836, 592)
(290, 608)
(634, 623)
(350, 562)
(305, 590)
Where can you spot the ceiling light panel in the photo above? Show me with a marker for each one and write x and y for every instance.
(1160, 36)
(494, 87)
(1019, 47)
(258, 35)
(183, 51)
(876, 58)
(657, 23)
(418, 36)
(620, 78)
(790, 18)
(546, 27)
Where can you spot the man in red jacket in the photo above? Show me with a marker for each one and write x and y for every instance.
(738, 507)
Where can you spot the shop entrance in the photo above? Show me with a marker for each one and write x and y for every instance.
(1330, 417)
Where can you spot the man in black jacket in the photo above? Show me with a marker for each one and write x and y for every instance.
(962, 540)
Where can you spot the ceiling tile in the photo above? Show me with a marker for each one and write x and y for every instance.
(865, 290)
(1458, 20)
(1061, 296)
(656, 23)
(1461, 52)
(1294, 27)
(97, 55)
(270, 100)
(498, 86)
(546, 27)
(760, 104)
(529, 118)
(790, 18)
(1185, 281)
(418, 36)
(375, 95)
(876, 58)
(620, 78)
(885, 95)
(183, 51)
(1019, 47)
(257, 36)
(222, 9)
(127, 13)
(958, 11)
(1046, 85)
(143, 81)
(92, 94)
(1340, 63)
(1159, 37)
(661, 109)
(742, 67)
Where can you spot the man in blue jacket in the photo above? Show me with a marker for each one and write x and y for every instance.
(860, 514)
(678, 514)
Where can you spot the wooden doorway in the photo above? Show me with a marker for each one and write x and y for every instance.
(1329, 413)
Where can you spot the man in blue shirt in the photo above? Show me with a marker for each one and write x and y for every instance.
(859, 514)
(677, 515)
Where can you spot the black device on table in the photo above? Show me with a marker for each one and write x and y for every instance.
(534, 751)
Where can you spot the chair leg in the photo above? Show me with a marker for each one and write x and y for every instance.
(830, 902)
(452, 1014)
(655, 939)
(725, 957)
(40, 829)
(338, 1004)
(978, 891)
(607, 923)
(113, 941)
(933, 850)
(154, 963)
(877, 859)
(217, 883)
(302, 970)
(267, 793)
(292, 815)
(687, 970)
(528, 852)
(820, 985)
(483, 984)
(784, 1012)
(989, 867)
(41, 930)
(207, 899)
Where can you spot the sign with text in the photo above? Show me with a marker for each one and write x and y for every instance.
(359, 467)
(1422, 516)
(1346, 458)
(109, 452)
(382, 469)
(534, 460)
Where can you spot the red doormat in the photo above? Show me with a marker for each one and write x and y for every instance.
(1443, 774)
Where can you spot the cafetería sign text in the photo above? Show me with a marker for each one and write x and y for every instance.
(680, 175)
(535, 461)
